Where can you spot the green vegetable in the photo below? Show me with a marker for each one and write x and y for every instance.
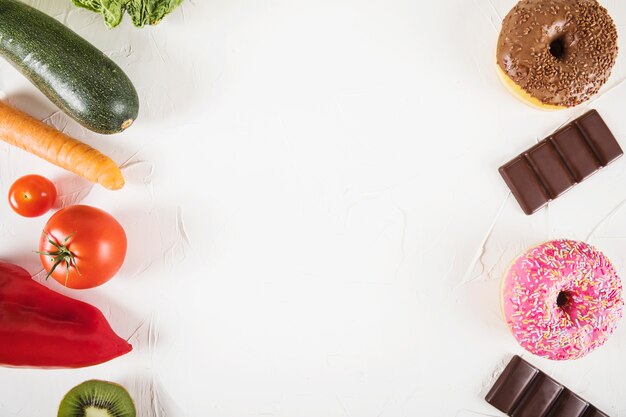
(142, 12)
(71, 72)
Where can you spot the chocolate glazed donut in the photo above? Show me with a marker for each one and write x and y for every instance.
(556, 53)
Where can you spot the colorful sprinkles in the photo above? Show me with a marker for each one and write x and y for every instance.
(562, 299)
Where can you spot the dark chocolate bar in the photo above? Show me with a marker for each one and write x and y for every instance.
(524, 391)
(560, 161)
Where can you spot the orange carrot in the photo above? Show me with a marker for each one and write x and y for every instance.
(21, 130)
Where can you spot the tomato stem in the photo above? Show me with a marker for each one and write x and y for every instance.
(62, 254)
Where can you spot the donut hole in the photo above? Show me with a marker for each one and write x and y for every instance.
(562, 299)
(557, 48)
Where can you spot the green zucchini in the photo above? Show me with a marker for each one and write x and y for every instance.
(75, 75)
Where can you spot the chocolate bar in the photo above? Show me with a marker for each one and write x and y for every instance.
(524, 391)
(560, 161)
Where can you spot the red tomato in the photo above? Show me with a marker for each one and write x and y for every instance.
(32, 195)
(82, 246)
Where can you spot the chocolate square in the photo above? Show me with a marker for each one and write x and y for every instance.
(557, 163)
(522, 390)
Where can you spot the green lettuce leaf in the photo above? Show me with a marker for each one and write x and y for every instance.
(142, 12)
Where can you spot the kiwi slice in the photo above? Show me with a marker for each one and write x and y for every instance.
(97, 399)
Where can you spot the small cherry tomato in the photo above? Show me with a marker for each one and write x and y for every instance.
(82, 247)
(32, 195)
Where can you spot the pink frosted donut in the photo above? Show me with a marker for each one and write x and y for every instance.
(562, 299)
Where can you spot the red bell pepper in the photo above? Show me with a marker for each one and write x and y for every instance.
(42, 328)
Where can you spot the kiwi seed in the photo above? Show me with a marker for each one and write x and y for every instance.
(97, 399)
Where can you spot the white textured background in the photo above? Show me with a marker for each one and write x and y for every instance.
(316, 223)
